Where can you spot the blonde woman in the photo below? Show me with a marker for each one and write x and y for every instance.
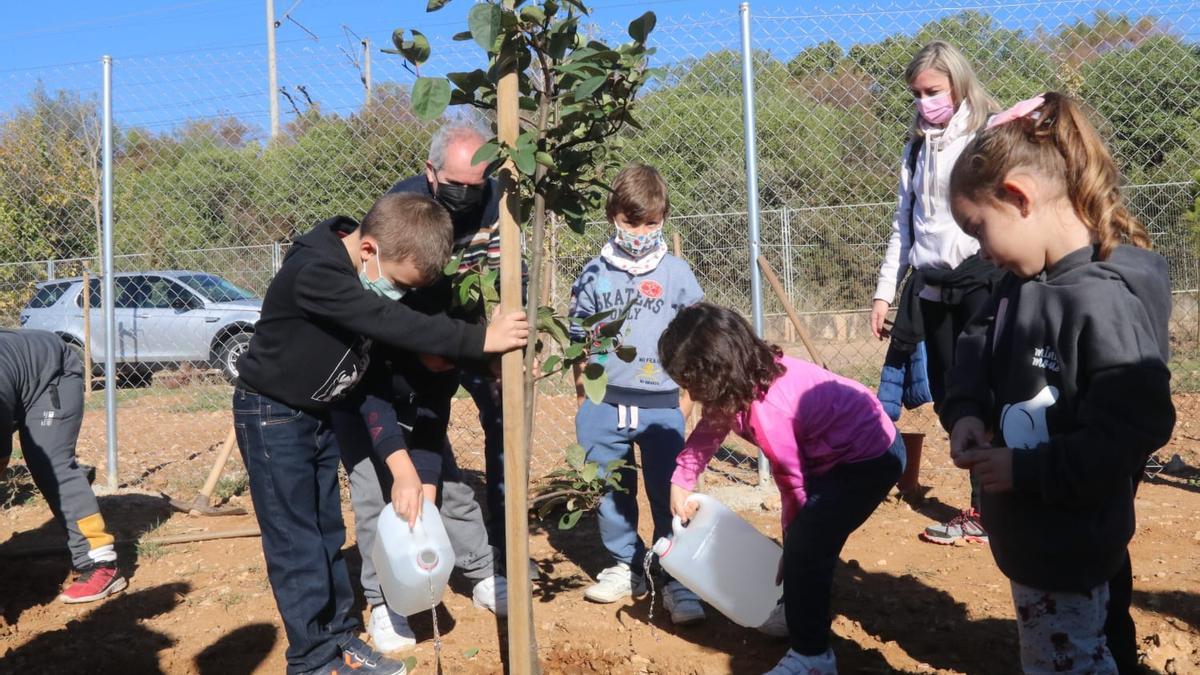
(949, 280)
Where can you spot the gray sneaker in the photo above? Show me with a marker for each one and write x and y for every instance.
(614, 583)
(795, 663)
(683, 605)
(965, 526)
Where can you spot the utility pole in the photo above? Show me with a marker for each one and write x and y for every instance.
(366, 77)
(272, 79)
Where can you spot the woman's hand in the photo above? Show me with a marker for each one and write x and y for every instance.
(879, 310)
(680, 506)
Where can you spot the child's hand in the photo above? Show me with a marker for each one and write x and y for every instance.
(506, 332)
(408, 495)
(969, 433)
(680, 506)
(992, 466)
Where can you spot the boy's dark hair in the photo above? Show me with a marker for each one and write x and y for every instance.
(640, 193)
(713, 353)
(411, 226)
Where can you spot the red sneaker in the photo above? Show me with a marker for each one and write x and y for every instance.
(95, 583)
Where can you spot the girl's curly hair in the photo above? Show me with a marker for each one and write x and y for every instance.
(713, 353)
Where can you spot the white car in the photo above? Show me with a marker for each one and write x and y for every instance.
(163, 319)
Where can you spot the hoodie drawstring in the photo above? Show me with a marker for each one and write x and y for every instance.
(630, 412)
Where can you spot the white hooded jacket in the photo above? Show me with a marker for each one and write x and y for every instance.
(940, 243)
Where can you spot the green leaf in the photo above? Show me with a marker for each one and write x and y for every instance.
(533, 14)
(467, 653)
(486, 153)
(523, 157)
(542, 157)
(596, 318)
(627, 353)
(551, 363)
(462, 37)
(435, 5)
(573, 352)
(410, 664)
(484, 22)
(453, 265)
(590, 471)
(589, 86)
(569, 520)
(639, 28)
(430, 96)
(415, 50)
(595, 382)
(575, 456)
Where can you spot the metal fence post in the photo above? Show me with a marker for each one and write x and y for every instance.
(110, 328)
(756, 306)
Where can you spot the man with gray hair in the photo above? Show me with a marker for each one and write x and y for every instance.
(427, 385)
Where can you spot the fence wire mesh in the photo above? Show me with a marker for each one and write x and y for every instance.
(205, 203)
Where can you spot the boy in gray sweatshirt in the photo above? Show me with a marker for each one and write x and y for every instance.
(41, 398)
(641, 403)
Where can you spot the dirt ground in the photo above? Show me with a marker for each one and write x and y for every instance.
(901, 605)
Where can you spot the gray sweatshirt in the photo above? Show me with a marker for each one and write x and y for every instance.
(658, 296)
(30, 360)
(1069, 369)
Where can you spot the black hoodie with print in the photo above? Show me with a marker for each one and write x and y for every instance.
(1069, 369)
(312, 342)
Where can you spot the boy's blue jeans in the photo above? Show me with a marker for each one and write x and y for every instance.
(292, 460)
(659, 434)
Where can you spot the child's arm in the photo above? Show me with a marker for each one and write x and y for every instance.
(387, 436)
(685, 405)
(700, 447)
(324, 291)
(968, 382)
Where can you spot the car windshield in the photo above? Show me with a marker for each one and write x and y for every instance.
(215, 288)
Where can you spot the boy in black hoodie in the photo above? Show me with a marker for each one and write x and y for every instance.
(334, 294)
(1060, 389)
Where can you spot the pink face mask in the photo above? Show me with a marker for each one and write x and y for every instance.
(936, 109)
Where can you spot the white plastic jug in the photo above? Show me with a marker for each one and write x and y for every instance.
(407, 560)
(725, 561)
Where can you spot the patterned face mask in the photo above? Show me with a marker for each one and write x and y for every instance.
(638, 245)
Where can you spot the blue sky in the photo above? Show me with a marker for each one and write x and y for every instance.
(177, 60)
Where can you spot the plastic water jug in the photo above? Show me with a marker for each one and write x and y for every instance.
(725, 561)
(407, 561)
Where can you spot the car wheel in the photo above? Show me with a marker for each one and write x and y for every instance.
(231, 349)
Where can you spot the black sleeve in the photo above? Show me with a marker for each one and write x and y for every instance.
(389, 427)
(327, 293)
(6, 431)
(969, 382)
(1123, 412)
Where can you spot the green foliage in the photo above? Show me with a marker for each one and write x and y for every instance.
(577, 487)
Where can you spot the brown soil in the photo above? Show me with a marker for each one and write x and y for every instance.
(902, 605)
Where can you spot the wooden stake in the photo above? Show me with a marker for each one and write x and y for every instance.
(87, 328)
(522, 647)
(769, 273)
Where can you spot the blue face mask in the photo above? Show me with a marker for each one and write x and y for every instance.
(382, 286)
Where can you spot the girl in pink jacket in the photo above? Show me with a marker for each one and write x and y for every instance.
(834, 454)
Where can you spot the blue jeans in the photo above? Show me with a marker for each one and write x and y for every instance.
(484, 392)
(659, 435)
(292, 460)
(837, 503)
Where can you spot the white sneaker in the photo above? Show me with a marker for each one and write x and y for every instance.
(389, 630)
(794, 663)
(492, 594)
(776, 624)
(614, 583)
(683, 604)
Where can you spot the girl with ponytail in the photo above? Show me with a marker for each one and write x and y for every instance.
(1060, 388)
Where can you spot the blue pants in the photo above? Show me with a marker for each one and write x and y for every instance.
(484, 392)
(659, 434)
(292, 460)
(838, 503)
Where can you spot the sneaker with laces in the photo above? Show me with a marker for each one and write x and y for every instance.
(965, 526)
(359, 659)
(795, 663)
(95, 583)
(492, 594)
(776, 624)
(683, 605)
(614, 583)
(389, 630)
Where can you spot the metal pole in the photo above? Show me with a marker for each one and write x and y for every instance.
(50, 270)
(366, 43)
(110, 322)
(272, 79)
(756, 307)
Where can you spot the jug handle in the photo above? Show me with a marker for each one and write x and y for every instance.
(677, 525)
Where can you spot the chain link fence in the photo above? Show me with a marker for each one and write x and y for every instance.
(205, 202)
